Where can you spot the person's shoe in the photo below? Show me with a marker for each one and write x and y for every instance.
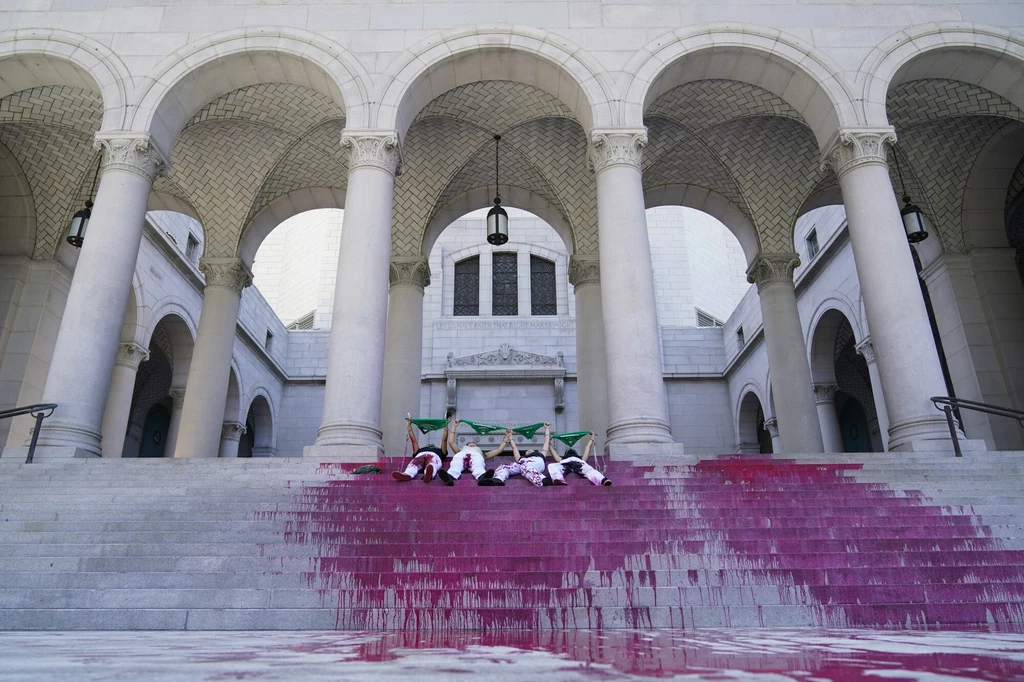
(606, 482)
(445, 477)
(545, 482)
(400, 476)
(559, 482)
(490, 481)
(428, 473)
(487, 474)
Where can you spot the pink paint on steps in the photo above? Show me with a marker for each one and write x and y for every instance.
(738, 540)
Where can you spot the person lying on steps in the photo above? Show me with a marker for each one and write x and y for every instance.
(530, 466)
(571, 462)
(471, 457)
(429, 457)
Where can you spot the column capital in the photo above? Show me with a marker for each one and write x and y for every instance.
(825, 394)
(866, 350)
(617, 147)
(232, 430)
(412, 272)
(231, 273)
(131, 153)
(851, 148)
(584, 270)
(131, 355)
(771, 269)
(373, 149)
(177, 396)
(772, 427)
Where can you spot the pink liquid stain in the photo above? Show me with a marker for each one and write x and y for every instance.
(414, 557)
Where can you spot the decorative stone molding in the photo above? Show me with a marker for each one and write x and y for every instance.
(851, 148)
(226, 272)
(231, 430)
(617, 147)
(772, 269)
(451, 390)
(506, 355)
(414, 273)
(584, 270)
(177, 397)
(131, 355)
(131, 153)
(825, 394)
(559, 394)
(866, 350)
(506, 364)
(374, 149)
(772, 427)
(567, 326)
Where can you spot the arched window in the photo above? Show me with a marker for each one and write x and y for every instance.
(505, 284)
(543, 300)
(467, 287)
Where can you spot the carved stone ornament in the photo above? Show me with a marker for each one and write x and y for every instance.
(177, 397)
(825, 393)
(131, 355)
(855, 147)
(617, 148)
(770, 269)
(226, 272)
(131, 153)
(231, 430)
(583, 271)
(376, 149)
(559, 394)
(410, 273)
(451, 391)
(772, 427)
(866, 350)
(506, 355)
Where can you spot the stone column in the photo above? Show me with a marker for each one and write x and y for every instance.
(637, 402)
(202, 412)
(591, 366)
(355, 360)
(868, 353)
(795, 411)
(177, 401)
(901, 334)
(83, 357)
(831, 433)
(119, 398)
(403, 351)
(772, 427)
(230, 434)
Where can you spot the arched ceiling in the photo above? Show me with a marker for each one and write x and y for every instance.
(49, 131)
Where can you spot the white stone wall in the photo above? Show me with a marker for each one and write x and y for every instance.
(178, 227)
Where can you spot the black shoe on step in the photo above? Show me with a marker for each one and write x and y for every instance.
(445, 477)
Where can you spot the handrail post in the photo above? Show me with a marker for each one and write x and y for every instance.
(35, 437)
(952, 430)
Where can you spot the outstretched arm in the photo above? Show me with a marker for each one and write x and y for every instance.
(451, 436)
(501, 446)
(412, 436)
(515, 450)
(547, 441)
(444, 441)
(590, 447)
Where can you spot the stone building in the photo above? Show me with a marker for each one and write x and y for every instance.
(798, 126)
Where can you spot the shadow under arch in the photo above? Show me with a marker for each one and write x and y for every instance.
(989, 57)
(715, 205)
(780, 63)
(483, 197)
(188, 79)
(18, 226)
(514, 53)
(261, 435)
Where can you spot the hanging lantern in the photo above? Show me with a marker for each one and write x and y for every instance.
(497, 218)
(80, 221)
(914, 221)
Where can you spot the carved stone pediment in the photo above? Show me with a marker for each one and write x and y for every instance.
(506, 362)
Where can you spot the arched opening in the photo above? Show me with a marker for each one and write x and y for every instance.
(753, 436)
(233, 428)
(258, 439)
(843, 391)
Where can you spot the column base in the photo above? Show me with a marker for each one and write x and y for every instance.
(353, 454)
(748, 449)
(639, 430)
(57, 435)
(926, 435)
(48, 452)
(638, 451)
(944, 446)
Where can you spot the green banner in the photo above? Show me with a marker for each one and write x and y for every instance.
(530, 430)
(428, 425)
(571, 437)
(482, 429)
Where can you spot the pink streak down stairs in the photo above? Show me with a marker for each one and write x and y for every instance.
(733, 541)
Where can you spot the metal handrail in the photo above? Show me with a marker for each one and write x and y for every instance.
(948, 405)
(40, 412)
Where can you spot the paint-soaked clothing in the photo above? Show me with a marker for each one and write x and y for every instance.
(557, 470)
(530, 467)
(424, 457)
(468, 457)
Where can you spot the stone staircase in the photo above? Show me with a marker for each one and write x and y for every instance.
(817, 540)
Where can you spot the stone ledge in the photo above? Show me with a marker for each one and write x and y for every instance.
(650, 453)
(351, 454)
(44, 452)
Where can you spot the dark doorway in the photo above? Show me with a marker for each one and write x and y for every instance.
(854, 425)
(154, 432)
